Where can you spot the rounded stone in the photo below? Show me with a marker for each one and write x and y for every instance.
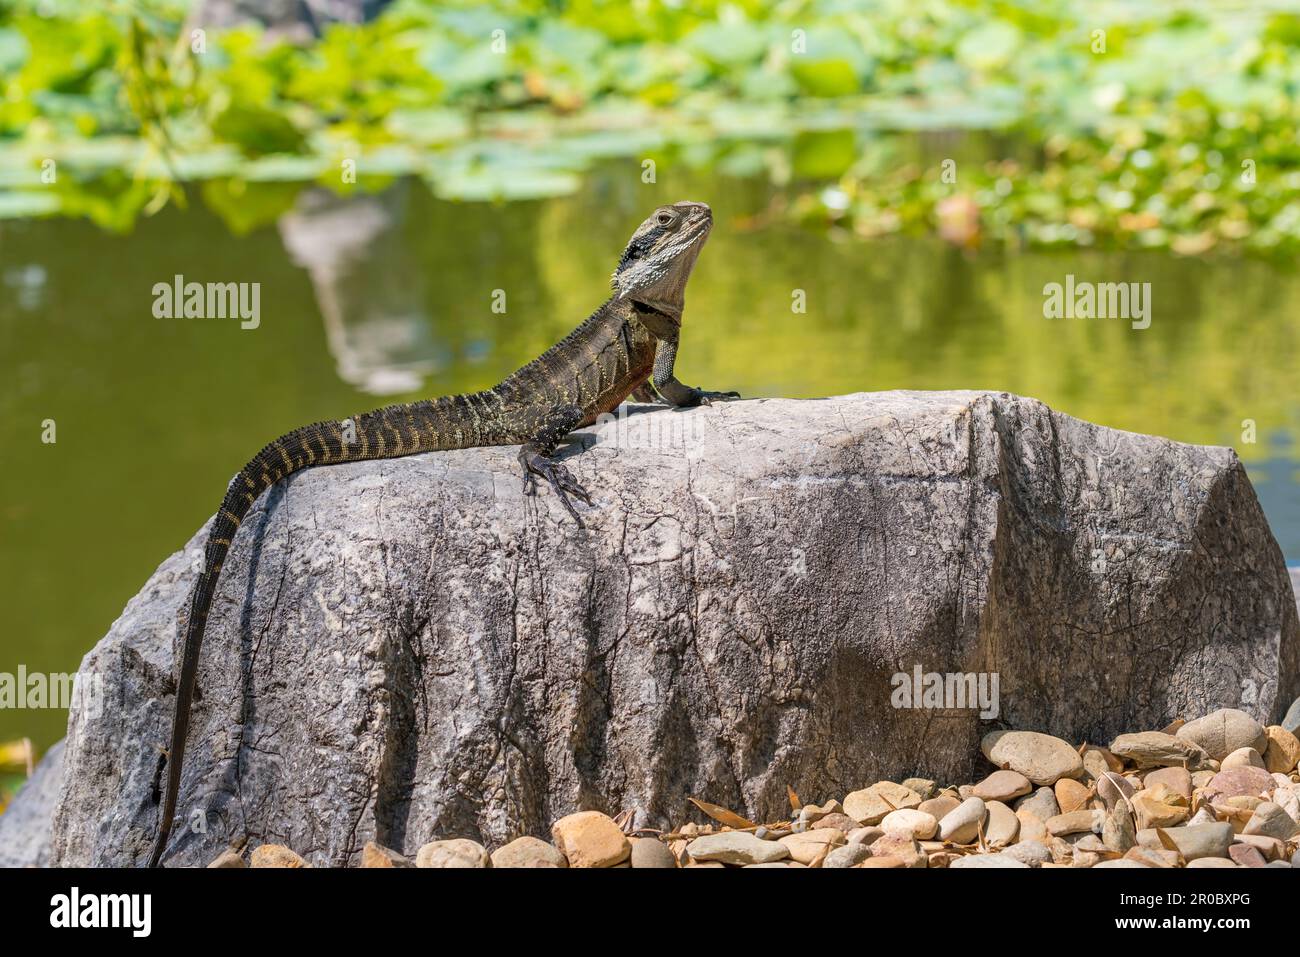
(458, 852)
(1283, 750)
(1240, 782)
(530, 852)
(1177, 780)
(1003, 786)
(1112, 787)
(961, 825)
(937, 807)
(736, 847)
(1270, 820)
(986, 860)
(1042, 758)
(1157, 749)
(910, 821)
(1201, 840)
(1032, 853)
(1071, 795)
(808, 846)
(850, 855)
(275, 855)
(651, 853)
(1221, 732)
(1002, 826)
(1243, 758)
(590, 839)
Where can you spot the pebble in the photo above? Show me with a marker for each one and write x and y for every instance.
(1071, 795)
(591, 839)
(1119, 862)
(1159, 807)
(986, 860)
(1112, 788)
(815, 812)
(900, 796)
(1149, 749)
(1292, 720)
(1152, 857)
(1032, 853)
(850, 855)
(841, 822)
(1002, 827)
(1042, 758)
(647, 853)
(532, 852)
(1269, 820)
(937, 807)
(1240, 782)
(910, 821)
(808, 846)
(1201, 840)
(961, 825)
(865, 835)
(229, 859)
(1041, 804)
(1246, 856)
(901, 848)
(737, 847)
(1243, 758)
(873, 862)
(1201, 862)
(1074, 822)
(1283, 751)
(275, 855)
(1272, 848)
(1288, 799)
(1119, 830)
(922, 786)
(376, 855)
(1032, 828)
(1177, 780)
(866, 806)
(1222, 732)
(457, 852)
(1002, 786)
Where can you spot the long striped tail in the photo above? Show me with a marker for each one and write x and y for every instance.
(449, 423)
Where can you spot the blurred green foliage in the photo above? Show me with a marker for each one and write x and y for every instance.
(1120, 123)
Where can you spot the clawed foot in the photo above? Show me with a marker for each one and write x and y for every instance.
(559, 477)
(705, 397)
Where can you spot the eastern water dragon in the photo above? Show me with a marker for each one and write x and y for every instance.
(624, 346)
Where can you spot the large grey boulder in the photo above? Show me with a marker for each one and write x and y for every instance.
(411, 649)
(25, 824)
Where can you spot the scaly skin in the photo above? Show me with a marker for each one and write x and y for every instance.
(631, 338)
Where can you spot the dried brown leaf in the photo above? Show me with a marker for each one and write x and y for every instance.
(722, 815)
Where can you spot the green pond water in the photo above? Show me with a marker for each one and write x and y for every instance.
(389, 296)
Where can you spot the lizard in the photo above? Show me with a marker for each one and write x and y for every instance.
(627, 347)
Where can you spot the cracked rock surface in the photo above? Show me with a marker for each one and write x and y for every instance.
(406, 650)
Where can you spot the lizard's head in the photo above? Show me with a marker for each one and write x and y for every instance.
(659, 258)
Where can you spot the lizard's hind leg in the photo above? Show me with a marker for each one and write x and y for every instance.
(536, 457)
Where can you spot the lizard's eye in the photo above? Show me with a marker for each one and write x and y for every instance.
(663, 219)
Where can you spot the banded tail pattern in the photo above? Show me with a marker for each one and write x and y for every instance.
(453, 422)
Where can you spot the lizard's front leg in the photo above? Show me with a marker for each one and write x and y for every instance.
(536, 456)
(673, 391)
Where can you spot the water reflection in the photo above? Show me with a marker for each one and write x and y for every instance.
(369, 288)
